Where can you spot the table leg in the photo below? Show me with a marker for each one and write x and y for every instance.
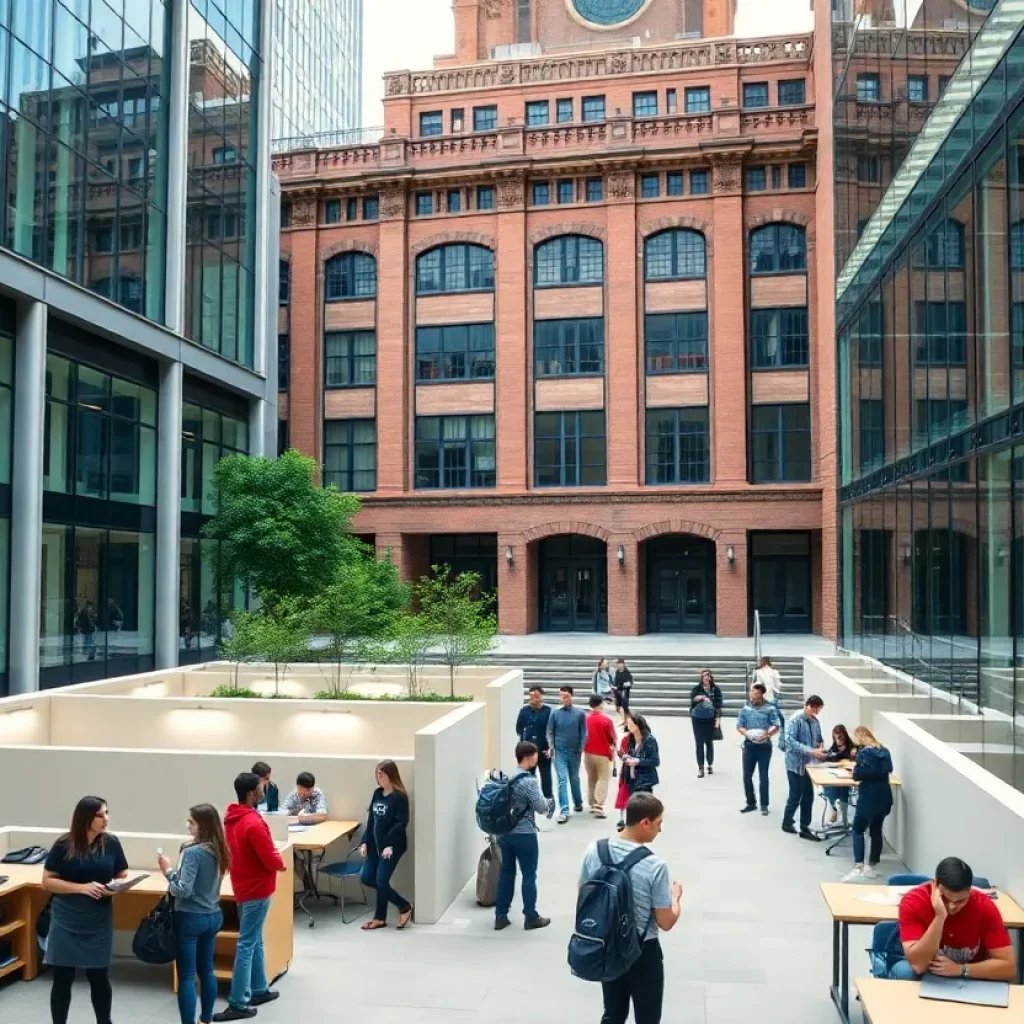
(843, 835)
(840, 989)
(1020, 956)
(844, 967)
(307, 891)
(835, 954)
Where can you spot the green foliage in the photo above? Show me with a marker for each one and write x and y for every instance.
(277, 634)
(279, 532)
(406, 642)
(458, 619)
(423, 698)
(242, 693)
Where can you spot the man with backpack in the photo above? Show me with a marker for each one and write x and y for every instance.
(622, 876)
(519, 844)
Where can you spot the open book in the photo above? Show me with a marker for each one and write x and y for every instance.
(124, 884)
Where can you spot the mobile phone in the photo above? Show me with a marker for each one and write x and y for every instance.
(159, 851)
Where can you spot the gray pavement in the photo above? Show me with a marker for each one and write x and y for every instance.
(675, 645)
(754, 941)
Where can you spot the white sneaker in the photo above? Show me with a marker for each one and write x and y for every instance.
(870, 873)
(856, 875)
(563, 818)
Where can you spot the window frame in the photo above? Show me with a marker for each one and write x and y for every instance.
(645, 97)
(332, 211)
(446, 252)
(748, 89)
(567, 348)
(753, 183)
(790, 168)
(540, 193)
(680, 415)
(586, 118)
(424, 204)
(783, 438)
(567, 261)
(683, 355)
(781, 88)
(284, 282)
(350, 264)
(561, 185)
(867, 78)
(676, 254)
(485, 190)
(423, 122)
(467, 443)
(777, 250)
(795, 337)
(595, 184)
(921, 80)
(487, 113)
(354, 362)
(705, 178)
(566, 466)
(563, 105)
(650, 186)
(540, 107)
(349, 447)
(448, 345)
(697, 99)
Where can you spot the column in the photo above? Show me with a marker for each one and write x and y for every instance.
(513, 584)
(623, 585)
(267, 203)
(513, 294)
(27, 496)
(305, 333)
(621, 358)
(393, 362)
(168, 516)
(175, 165)
(728, 330)
(731, 585)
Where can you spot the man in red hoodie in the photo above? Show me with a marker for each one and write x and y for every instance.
(255, 863)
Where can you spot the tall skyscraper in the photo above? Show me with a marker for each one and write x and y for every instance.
(318, 67)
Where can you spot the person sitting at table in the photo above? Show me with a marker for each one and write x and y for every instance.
(874, 802)
(842, 749)
(384, 842)
(271, 797)
(948, 928)
(305, 801)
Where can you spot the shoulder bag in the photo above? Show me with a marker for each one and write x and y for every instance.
(154, 938)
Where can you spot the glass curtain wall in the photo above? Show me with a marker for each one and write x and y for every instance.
(83, 142)
(6, 424)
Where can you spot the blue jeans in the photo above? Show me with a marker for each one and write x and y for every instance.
(521, 847)
(902, 971)
(759, 756)
(250, 976)
(567, 767)
(376, 875)
(195, 935)
(801, 794)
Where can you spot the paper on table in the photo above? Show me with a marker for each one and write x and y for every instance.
(299, 828)
(123, 884)
(890, 898)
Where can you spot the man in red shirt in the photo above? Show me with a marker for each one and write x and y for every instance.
(950, 929)
(598, 753)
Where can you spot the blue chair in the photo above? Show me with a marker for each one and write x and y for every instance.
(350, 867)
(907, 879)
(981, 882)
(886, 948)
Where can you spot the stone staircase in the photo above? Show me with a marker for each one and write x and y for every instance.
(661, 685)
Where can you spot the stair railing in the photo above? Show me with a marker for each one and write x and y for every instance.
(757, 637)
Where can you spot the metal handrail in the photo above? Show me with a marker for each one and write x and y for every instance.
(757, 637)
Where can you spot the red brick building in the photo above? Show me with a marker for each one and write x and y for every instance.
(559, 323)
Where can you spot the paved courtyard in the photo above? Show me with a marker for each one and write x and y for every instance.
(754, 941)
(666, 645)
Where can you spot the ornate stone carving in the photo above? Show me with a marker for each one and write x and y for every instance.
(622, 185)
(510, 194)
(392, 202)
(492, 8)
(508, 74)
(303, 213)
(618, 65)
(728, 175)
(397, 85)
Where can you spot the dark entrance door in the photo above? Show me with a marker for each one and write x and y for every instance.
(780, 581)
(573, 584)
(680, 585)
(468, 552)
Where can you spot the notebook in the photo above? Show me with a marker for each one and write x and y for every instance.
(965, 990)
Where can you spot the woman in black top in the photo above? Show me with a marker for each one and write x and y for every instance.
(384, 842)
(705, 717)
(842, 749)
(77, 871)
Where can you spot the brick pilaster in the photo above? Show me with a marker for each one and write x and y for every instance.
(623, 585)
(731, 585)
(305, 302)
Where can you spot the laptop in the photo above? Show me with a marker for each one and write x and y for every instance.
(965, 990)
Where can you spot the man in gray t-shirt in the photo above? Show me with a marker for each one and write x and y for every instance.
(520, 845)
(655, 906)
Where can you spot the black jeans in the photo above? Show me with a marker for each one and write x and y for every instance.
(544, 766)
(756, 755)
(704, 739)
(801, 794)
(376, 874)
(99, 989)
(861, 824)
(644, 983)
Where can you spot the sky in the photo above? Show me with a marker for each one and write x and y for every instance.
(404, 34)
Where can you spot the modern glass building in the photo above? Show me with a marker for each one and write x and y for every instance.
(318, 67)
(930, 328)
(138, 245)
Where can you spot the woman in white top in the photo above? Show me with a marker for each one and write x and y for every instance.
(769, 678)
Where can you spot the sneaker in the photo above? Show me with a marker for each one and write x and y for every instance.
(700, 773)
(264, 997)
(711, 771)
(536, 922)
(578, 808)
(748, 808)
(870, 874)
(806, 833)
(235, 1013)
(856, 875)
(600, 814)
(501, 923)
(563, 818)
(764, 812)
(788, 828)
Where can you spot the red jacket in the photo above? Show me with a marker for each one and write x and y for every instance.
(600, 734)
(254, 858)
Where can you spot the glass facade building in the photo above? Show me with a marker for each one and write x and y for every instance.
(930, 331)
(318, 67)
(138, 263)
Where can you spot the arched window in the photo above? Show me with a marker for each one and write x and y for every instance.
(283, 282)
(455, 268)
(778, 249)
(943, 249)
(676, 254)
(568, 259)
(352, 275)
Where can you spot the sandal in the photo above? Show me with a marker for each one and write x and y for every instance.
(372, 926)
(405, 918)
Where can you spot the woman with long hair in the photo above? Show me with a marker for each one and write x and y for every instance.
(705, 717)
(195, 885)
(78, 869)
(384, 842)
(642, 757)
(874, 802)
(622, 792)
(602, 681)
(842, 749)
(768, 676)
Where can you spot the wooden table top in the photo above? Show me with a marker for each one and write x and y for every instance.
(846, 902)
(319, 837)
(887, 1001)
(821, 776)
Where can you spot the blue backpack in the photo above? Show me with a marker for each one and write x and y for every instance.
(494, 814)
(605, 942)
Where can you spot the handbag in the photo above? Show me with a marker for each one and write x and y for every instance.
(26, 855)
(154, 938)
(718, 733)
(43, 924)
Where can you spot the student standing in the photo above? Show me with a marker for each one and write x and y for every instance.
(532, 727)
(195, 885)
(757, 723)
(622, 685)
(598, 754)
(705, 717)
(656, 906)
(254, 867)
(567, 735)
(768, 676)
(803, 746)
(305, 801)
(842, 749)
(384, 843)
(874, 802)
(78, 868)
(622, 793)
(603, 682)
(642, 757)
(271, 796)
(520, 845)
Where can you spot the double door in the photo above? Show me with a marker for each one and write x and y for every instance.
(573, 596)
(680, 600)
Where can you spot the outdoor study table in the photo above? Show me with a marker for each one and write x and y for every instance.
(821, 775)
(310, 842)
(897, 1002)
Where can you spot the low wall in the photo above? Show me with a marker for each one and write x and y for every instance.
(448, 840)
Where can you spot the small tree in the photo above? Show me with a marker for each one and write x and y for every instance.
(458, 617)
(278, 635)
(243, 644)
(406, 643)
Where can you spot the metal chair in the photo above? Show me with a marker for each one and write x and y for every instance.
(350, 867)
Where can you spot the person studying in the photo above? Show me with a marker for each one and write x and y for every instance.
(305, 801)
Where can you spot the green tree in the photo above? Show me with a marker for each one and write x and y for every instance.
(406, 642)
(243, 643)
(459, 619)
(280, 533)
(278, 634)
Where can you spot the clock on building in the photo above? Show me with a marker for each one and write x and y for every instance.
(607, 13)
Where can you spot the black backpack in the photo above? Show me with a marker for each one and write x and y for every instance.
(494, 814)
(605, 942)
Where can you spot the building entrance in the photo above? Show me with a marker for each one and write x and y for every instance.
(573, 584)
(680, 584)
